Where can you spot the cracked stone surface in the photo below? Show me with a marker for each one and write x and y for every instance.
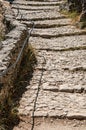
(51, 104)
(48, 23)
(59, 43)
(57, 32)
(37, 3)
(40, 15)
(66, 60)
(60, 50)
(24, 7)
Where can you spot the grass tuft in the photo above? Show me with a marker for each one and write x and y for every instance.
(73, 15)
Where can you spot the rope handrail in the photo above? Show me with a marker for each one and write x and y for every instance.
(23, 46)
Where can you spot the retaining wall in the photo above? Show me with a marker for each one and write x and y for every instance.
(9, 51)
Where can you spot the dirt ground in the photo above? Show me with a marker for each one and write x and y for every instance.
(51, 124)
(61, 125)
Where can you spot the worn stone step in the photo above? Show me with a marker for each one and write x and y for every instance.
(60, 43)
(52, 104)
(58, 32)
(40, 15)
(61, 105)
(63, 71)
(49, 23)
(66, 60)
(28, 8)
(59, 81)
(36, 3)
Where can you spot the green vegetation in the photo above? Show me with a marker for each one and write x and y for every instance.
(75, 18)
(73, 15)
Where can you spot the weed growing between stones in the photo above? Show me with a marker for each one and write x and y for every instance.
(8, 108)
(75, 18)
(73, 15)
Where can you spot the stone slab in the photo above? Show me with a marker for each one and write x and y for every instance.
(63, 60)
(58, 32)
(28, 7)
(60, 43)
(48, 23)
(41, 15)
(61, 104)
(53, 104)
(63, 81)
(37, 3)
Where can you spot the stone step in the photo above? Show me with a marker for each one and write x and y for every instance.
(59, 81)
(28, 8)
(39, 15)
(63, 71)
(49, 23)
(54, 104)
(57, 32)
(61, 105)
(36, 3)
(60, 43)
(63, 60)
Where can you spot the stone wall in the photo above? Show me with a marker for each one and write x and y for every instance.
(2, 25)
(9, 52)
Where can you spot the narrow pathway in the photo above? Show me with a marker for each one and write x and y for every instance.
(57, 91)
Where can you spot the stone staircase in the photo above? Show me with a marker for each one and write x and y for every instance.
(61, 54)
